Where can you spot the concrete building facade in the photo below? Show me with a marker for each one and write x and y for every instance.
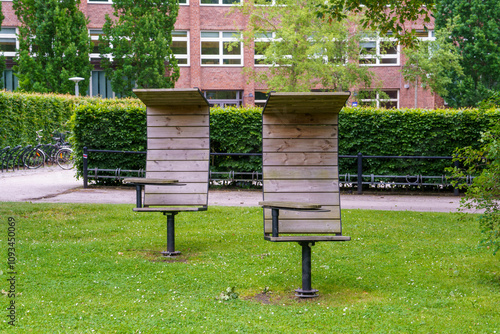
(201, 31)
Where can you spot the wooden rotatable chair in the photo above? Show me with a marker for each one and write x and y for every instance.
(300, 172)
(178, 150)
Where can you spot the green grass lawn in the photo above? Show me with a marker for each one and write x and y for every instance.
(97, 269)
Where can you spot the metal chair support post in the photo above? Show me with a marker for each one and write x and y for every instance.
(170, 235)
(307, 291)
(360, 173)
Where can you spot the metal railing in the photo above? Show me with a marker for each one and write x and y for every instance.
(345, 180)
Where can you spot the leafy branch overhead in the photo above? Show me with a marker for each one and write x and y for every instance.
(382, 15)
(136, 45)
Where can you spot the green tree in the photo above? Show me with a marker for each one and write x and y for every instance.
(484, 192)
(54, 45)
(300, 50)
(476, 35)
(381, 15)
(429, 60)
(2, 57)
(136, 47)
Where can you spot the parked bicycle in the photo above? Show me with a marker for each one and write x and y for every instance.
(59, 153)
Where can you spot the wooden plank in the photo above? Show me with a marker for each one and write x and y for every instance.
(187, 188)
(169, 209)
(301, 186)
(304, 118)
(178, 120)
(171, 96)
(177, 110)
(175, 199)
(298, 102)
(291, 205)
(317, 198)
(309, 238)
(178, 132)
(300, 145)
(299, 131)
(334, 213)
(291, 172)
(183, 177)
(303, 227)
(143, 180)
(202, 154)
(178, 143)
(300, 159)
(177, 166)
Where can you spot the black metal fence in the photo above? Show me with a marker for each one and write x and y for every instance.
(346, 180)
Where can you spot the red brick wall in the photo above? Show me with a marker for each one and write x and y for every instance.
(196, 18)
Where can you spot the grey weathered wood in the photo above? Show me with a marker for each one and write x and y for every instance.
(299, 159)
(299, 131)
(178, 147)
(143, 180)
(300, 163)
(290, 205)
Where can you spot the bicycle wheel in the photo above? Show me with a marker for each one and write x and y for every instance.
(65, 159)
(34, 158)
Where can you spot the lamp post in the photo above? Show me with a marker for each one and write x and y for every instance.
(76, 80)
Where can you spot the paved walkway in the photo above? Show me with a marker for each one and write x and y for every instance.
(54, 185)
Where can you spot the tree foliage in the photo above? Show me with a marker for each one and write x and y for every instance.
(476, 34)
(381, 15)
(2, 57)
(484, 193)
(429, 60)
(54, 45)
(136, 45)
(301, 51)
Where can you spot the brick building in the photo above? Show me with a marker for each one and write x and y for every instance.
(202, 28)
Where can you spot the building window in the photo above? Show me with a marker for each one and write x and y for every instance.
(180, 47)
(10, 81)
(8, 42)
(220, 2)
(381, 51)
(386, 98)
(100, 85)
(425, 35)
(262, 42)
(94, 37)
(261, 98)
(100, 1)
(221, 48)
(224, 98)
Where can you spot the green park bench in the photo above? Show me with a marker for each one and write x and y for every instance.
(300, 172)
(178, 151)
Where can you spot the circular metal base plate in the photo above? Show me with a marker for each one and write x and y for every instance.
(167, 253)
(306, 293)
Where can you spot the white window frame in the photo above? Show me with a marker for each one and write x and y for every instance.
(430, 36)
(378, 57)
(182, 39)
(95, 38)
(10, 36)
(221, 3)
(102, 2)
(225, 102)
(377, 100)
(221, 39)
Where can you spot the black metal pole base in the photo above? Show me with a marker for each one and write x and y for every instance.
(170, 254)
(170, 235)
(306, 293)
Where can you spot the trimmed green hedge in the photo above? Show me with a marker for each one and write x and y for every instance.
(371, 131)
(412, 132)
(22, 114)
